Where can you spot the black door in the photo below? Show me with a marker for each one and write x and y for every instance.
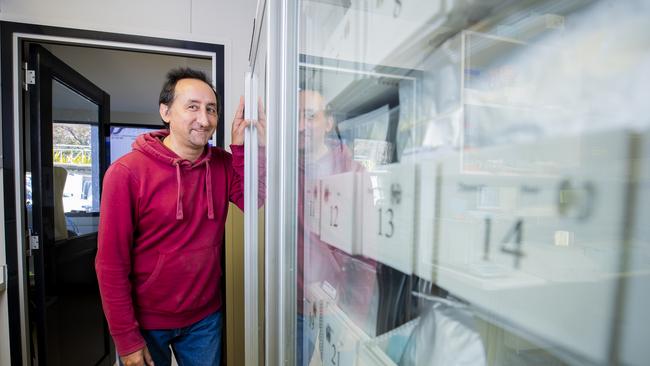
(66, 157)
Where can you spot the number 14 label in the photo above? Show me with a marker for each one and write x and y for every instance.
(510, 244)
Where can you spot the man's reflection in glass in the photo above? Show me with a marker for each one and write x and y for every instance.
(322, 153)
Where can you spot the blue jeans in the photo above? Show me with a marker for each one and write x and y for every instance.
(304, 348)
(198, 344)
(299, 342)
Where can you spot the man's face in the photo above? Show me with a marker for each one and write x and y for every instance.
(192, 115)
(314, 124)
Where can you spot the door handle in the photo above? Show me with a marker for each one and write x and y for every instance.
(3, 278)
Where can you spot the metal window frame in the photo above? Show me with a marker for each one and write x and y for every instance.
(282, 181)
(251, 243)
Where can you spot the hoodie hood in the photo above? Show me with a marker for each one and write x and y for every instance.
(151, 144)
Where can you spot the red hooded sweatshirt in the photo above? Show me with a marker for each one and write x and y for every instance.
(160, 236)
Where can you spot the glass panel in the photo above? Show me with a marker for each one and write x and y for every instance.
(63, 266)
(474, 182)
(260, 74)
(76, 162)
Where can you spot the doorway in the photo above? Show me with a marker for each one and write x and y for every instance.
(58, 139)
(66, 325)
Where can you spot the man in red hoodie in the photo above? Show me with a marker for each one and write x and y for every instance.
(161, 226)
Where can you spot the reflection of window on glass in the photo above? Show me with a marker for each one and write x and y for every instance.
(75, 151)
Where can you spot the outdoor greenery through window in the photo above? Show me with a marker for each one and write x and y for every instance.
(74, 151)
(72, 144)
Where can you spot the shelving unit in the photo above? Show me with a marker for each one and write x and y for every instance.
(537, 228)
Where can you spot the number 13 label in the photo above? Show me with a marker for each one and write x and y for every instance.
(389, 215)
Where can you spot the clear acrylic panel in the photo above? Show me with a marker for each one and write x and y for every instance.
(474, 182)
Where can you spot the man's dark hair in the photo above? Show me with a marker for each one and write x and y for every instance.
(167, 94)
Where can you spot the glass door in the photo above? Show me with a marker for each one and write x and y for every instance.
(66, 149)
(255, 182)
(473, 182)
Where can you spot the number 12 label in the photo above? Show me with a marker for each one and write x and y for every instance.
(338, 210)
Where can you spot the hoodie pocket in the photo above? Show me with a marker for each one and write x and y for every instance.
(181, 281)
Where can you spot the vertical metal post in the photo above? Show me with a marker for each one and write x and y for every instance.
(251, 262)
(282, 182)
(19, 181)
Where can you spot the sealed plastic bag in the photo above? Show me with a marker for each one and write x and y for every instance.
(445, 335)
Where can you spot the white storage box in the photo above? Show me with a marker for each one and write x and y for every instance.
(317, 295)
(533, 233)
(340, 338)
(312, 206)
(338, 224)
(389, 215)
(426, 200)
(635, 331)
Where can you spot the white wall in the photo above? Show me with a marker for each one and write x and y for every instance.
(228, 22)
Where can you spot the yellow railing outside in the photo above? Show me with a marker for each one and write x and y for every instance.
(72, 155)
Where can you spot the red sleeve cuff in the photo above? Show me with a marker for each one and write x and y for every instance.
(237, 149)
(129, 342)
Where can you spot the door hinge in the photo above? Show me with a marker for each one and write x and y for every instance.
(30, 77)
(34, 244)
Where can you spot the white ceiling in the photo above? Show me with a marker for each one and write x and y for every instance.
(132, 79)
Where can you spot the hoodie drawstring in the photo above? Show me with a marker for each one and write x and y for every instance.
(208, 188)
(151, 144)
(179, 195)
